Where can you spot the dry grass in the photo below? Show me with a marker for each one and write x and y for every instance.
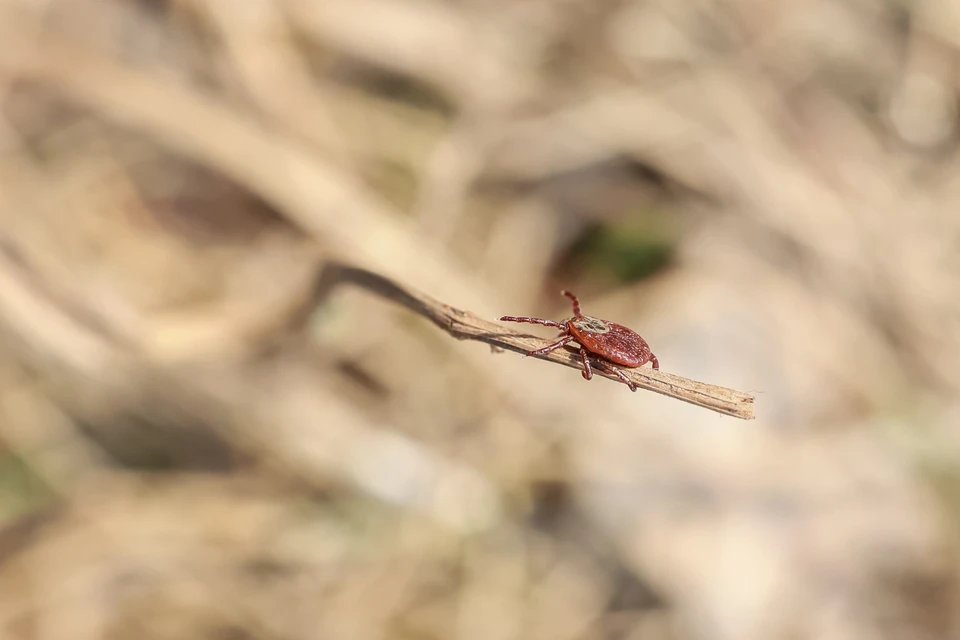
(200, 439)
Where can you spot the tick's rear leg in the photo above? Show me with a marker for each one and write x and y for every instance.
(547, 349)
(587, 371)
(606, 366)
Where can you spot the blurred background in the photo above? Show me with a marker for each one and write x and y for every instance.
(200, 439)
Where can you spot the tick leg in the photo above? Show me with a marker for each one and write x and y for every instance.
(656, 363)
(587, 370)
(576, 303)
(546, 323)
(620, 374)
(547, 349)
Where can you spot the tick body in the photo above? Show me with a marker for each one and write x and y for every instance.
(608, 343)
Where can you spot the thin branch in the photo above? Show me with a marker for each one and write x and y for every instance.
(465, 325)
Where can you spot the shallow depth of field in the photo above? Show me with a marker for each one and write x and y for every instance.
(202, 436)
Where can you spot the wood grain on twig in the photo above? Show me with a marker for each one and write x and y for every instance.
(465, 325)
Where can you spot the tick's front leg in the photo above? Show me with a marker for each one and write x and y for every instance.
(547, 349)
(587, 370)
(546, 323)
(606, 366)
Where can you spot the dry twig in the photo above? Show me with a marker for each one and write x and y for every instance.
(465, 325)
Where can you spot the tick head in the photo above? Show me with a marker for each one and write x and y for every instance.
(589, 324)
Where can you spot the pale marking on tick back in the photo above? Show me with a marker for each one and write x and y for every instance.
(590, 324)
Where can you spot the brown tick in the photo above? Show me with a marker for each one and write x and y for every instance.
(610, 343)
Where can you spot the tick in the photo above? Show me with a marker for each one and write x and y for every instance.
(609, 343)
